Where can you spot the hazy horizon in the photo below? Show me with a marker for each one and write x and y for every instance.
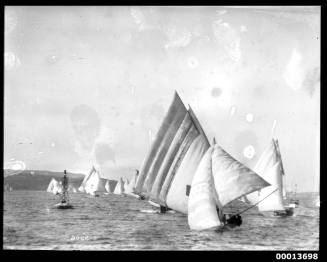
(90, 85)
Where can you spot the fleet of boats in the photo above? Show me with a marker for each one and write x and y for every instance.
(183, 172)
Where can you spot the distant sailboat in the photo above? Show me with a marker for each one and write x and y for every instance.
(8, 188)
(119, 189)
(55, 187)
(110, 186)
(72, 189)
(95, 184)
(107, 187)
(129, 186)
(219, 179)
(294, 202)
(82, 186)
(270, 168)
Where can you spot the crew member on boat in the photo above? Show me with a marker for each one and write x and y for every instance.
(231, 221)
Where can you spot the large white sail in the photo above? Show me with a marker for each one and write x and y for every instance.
(219, 179)
(233, 179)
(177, 198)
(203, 200)
(160, 146)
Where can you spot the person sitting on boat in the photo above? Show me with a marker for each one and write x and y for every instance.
(234, 220)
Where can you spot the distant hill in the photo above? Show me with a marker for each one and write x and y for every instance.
(37, 180)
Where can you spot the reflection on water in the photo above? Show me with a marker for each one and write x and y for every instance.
(112, 222)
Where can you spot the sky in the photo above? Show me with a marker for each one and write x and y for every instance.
(90, 85)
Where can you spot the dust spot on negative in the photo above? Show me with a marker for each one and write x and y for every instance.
(104, 153)
(216, 92)
(249, 151)
(249, 117)
(241, 143)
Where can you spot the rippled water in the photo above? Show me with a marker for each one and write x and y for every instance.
(112, 222)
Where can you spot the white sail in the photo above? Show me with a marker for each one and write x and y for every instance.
(51, 185)
(82, 186)
(126, 185)
(107, 187)
(160, 146)
(177, 198)
(55, 187)
(119, 189)
(203, 200)
(269, 167)
(219, 179)
(95, 183)
(130, 187)
(273, 194)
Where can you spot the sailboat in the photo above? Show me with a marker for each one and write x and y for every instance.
(270, 168)
(107, 188)
(8, 188)
(168, 170)
(71, 188)
(130, 186)
(95, 184)
(218, 180)
(170, 164)
(82, 186)
(55, 187)
(317, 202)
(119, 189)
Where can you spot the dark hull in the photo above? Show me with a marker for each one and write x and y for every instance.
(63, 206)
(285, 213)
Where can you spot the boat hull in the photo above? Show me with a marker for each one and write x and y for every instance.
(63, 206)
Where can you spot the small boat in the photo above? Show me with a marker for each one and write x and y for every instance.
(270, 199)
(64, 205)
